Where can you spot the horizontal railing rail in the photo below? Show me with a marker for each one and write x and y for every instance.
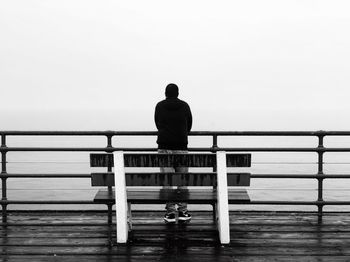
(320, 149)
(260, 175)
(192, 133)
(200, 149)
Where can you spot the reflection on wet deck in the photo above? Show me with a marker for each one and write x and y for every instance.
(255, 236)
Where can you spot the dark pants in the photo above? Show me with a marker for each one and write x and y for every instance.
(171, 206)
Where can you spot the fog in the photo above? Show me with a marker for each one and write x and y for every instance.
(241, 65)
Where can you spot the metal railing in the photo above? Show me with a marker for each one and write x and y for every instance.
(319, 150)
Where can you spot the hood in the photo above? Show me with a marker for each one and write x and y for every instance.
(171, 91)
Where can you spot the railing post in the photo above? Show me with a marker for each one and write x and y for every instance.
(3, 178)
(320, 174)
(214, 149)
(215, 143)
(110, 191)
(109, 140)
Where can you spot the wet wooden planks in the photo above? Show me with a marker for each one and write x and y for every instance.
(255, 236)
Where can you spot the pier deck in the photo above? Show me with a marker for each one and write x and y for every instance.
(255, 236)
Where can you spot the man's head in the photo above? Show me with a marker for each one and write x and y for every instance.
(171, 91)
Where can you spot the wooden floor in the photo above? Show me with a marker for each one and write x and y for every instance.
(255, 236)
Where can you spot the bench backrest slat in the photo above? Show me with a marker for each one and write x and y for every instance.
(170, 179)
(170, 160)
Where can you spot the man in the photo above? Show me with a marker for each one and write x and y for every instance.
(173, 119)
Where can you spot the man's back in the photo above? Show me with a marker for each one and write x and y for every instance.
(173, 119)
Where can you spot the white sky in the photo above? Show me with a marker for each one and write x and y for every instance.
(241, 65)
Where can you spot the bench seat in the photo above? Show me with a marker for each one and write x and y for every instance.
(161, 196)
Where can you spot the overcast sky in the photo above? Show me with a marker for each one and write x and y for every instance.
(241, 65)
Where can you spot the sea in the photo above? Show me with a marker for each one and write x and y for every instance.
(260, 189)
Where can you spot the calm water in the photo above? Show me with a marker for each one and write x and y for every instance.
(260, 189)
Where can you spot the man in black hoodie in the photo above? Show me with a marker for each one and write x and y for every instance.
(173, 119)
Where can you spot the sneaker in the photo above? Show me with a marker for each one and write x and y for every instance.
(184, 216)
(170, 218)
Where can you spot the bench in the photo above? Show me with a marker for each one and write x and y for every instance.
(139, 187)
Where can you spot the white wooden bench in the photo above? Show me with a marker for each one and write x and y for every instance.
(138, 187)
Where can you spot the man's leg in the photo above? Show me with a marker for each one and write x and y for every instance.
(170, 206)
(182, 207)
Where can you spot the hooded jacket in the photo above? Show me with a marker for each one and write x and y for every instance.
(173, 119)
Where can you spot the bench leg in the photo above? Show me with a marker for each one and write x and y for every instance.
(121, 205)
(109, 214)
(222, 199)
(110, 240)
(214, 212)
(129, 217)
